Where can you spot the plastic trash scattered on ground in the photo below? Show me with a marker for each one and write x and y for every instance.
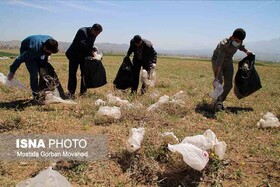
(149, 81)
(199, 141)
(218, 90)
(192, 155)
(268, 120)
(112, 112)
(13, 83)
(46, 178)
(99, 102)
(135, 138)
(162, 100)
(207, 141)
(116, 100)
(170, 138)
(54, 97)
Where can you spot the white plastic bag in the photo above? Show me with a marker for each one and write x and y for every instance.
(218, 90)
(211, 136)
(162, 100)
(192, 155)
(170, 138)
(148, 80)
(13, 83)
(46, 178)
(135, 138)
(199, 141)
(54, 97)
(99, 102)
(220, 149)
(116, 100)
(112, 112)
(268, 120)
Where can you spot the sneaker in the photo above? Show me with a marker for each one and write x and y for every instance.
(219, 107)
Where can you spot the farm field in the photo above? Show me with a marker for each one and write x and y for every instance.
(252, 157)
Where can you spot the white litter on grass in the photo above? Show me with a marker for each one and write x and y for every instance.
(135, 138)
(148, 80)
(99, 102)
(112, 112)
(46, 178)
(192, 155)
(116, 100)
(218, 90)
(199, 141)
(13, 83)
(162, 100)
(207, 141)
(54, 97)
(268, 120)
(169, 137)
(175, 99)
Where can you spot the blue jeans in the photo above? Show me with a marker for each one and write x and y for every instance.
(33, 67)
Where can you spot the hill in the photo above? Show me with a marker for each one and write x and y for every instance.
(264, 50)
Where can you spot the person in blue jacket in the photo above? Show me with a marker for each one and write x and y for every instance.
(34, 51)
(81, 47)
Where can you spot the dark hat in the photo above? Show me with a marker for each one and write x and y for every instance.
(137, 39)
(239, 33)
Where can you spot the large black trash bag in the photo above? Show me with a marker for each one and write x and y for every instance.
(48, 80)
(123, 78)
(247, 80)
(94, 73)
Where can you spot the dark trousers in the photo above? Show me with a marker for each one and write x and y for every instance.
(225, 76)
(72, 78)
(33, 69)
(135, 69)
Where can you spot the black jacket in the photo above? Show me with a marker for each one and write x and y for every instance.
(82, 44)
(149, 53)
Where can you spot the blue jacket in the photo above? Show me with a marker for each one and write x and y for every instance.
(31, 48)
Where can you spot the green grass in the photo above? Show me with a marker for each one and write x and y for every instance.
(252, 154)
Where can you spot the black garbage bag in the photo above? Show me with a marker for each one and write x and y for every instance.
(247, 80)
(48, 80)
(94, 73)
(123, 78)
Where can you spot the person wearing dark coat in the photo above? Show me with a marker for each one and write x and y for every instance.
(81, 47)
(144, 56)
(34, 51)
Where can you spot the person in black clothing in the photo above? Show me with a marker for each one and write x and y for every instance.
(81, 47)
(145, 56)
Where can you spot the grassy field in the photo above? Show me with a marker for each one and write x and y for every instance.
(252, 157)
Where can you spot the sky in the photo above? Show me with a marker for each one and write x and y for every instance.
(167, 24)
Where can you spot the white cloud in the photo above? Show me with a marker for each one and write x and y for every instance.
(32, 4)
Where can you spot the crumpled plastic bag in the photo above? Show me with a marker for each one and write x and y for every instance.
(200, 141)
(148, 80)
(135, 138)
(112, 112)
(46, 178)
(162, 100)
(13, 83)
(207, 141)
(54, 97)
(192, 155)
(170, 138)
(116, 100)
(268, 120)
(218, 90)
(99, 102)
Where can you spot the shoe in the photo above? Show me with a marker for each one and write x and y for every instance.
(70, 96)
(219, 107)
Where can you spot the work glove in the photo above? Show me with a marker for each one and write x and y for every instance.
(249, 52)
